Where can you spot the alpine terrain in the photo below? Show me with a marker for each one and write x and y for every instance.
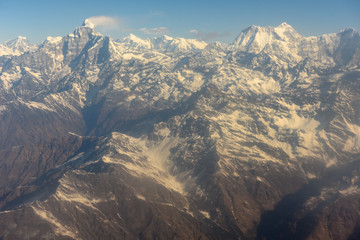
(173, 138)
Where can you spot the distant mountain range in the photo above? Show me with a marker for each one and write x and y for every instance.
(173, 138)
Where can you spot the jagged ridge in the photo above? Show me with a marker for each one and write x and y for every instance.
(209, 137)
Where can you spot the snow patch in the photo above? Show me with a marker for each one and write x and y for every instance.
(2, 108)
(74, 134)
(60, 228)
(353, 189)
(67, 192)
(352, 144)
(148, 159)
(205, 214)
(130, 56)
(38, 105)
(53, 40)
(141, 197)
(294, 121)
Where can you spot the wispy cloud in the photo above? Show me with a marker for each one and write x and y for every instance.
(207, 36)
(103, 21)
(155, 31)
(150, 16)
(156, 13)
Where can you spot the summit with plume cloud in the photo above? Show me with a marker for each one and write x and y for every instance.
(102, 21)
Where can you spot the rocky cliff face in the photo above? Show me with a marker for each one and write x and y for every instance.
(173, 138)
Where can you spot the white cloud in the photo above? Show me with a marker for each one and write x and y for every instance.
(102, 21)
(207, 36)
(156, 13)
(194, 31)
(155, 31)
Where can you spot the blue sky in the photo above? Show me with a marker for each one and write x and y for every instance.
(206, 19)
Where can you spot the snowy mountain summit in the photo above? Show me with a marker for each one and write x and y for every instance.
(174, 138)
(254, 39)
(16, 46)
(20, 44)
(88, 23)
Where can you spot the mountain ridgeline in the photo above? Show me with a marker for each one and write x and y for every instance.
(173, 138)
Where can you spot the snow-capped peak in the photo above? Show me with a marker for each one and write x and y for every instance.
(166, 38)
(349, 32)
(20, 40)
(136, 41)
(254, 39)
(132, 38)
(284, 25)
(19, 44)
(52, 40)
(177, 44)
(88, 23)
(86, 29)
(287, 31)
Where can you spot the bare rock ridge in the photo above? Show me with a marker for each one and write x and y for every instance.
(173, 138)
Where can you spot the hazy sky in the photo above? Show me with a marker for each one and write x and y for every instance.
(206, 19)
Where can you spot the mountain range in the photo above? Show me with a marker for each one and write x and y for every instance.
(173, 138)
